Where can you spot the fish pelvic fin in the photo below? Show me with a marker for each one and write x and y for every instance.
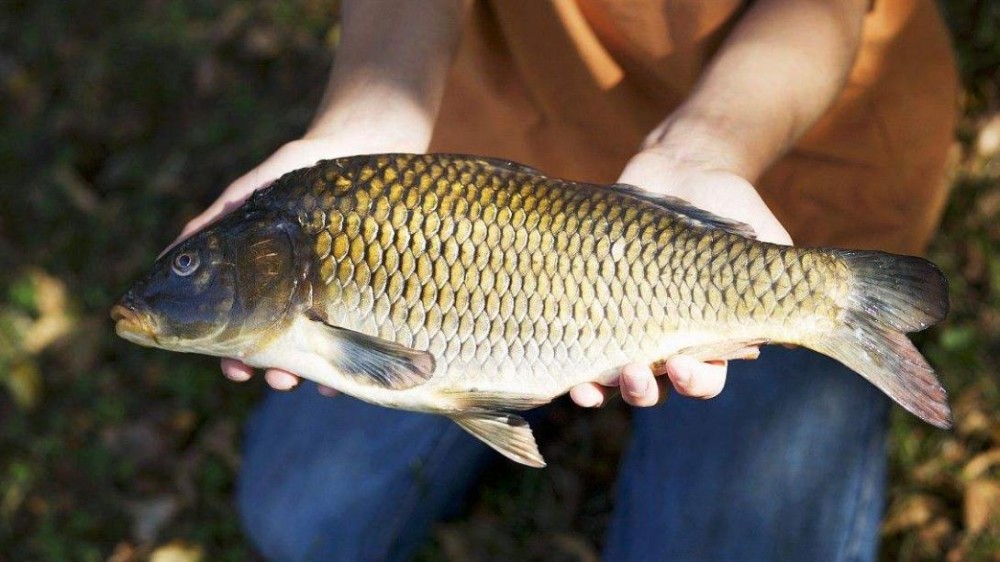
(890, 296)
(508, 434)
(472, 400)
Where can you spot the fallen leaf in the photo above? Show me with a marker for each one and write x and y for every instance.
(911, 512)
(982, 504)
(54, 320)
(981, 463)
(988, 140)
(953, 452)
(177, 551)
(123, 552)
(24, 381)
(975, 422)
(934, 535)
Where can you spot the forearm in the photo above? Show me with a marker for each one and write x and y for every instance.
(390, 70)
(777, 72)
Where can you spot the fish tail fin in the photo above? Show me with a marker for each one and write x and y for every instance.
(891, 295)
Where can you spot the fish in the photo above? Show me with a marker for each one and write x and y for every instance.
(477, 288)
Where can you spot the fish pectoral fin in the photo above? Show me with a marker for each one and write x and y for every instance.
(508, 434)
(374, 361)
(724, 351)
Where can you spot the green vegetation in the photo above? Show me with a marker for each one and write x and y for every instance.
(121, 120)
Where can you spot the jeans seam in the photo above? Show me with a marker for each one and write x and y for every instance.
(864, 495)
(404, 514)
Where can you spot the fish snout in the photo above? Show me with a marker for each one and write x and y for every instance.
(130, 320)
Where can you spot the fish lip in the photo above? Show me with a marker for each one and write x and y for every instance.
(131, 324)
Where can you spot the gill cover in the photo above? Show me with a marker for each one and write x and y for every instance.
(269, 268)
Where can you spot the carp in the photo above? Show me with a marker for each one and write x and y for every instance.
(475, 288)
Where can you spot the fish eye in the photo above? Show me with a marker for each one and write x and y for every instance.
(185, 263)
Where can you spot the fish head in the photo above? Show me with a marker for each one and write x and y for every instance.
(224, 291)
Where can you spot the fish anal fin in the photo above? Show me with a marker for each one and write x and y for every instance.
(508, 434)
(725, 350)
(696, 215)
(370, 360)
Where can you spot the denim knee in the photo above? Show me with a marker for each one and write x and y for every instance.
(338, 479)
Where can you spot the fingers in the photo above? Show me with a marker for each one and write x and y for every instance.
(695, 378)
(327, 391)
(589, 395)
(277, 379)
(281, 380)
(236, 370)
(638, 385)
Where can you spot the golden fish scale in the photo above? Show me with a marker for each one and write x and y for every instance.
(499, 271)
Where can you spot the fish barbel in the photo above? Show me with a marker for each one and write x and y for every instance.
(474, 288)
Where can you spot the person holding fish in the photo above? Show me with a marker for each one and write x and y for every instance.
(825, 122)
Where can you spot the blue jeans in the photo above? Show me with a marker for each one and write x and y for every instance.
(787, 464)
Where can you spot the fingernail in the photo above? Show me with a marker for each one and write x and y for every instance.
(681, 377)
(635, 386)
(292, 387)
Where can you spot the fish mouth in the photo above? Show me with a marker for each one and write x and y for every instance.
(132, 325)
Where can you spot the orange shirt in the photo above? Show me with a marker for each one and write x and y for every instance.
(573, 87)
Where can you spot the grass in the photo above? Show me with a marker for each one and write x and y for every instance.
(123, 119)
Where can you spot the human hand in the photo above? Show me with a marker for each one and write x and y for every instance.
(713, 189)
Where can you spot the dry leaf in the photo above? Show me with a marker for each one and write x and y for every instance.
(24, 382)
(982, 504)
(980, 464)
(123, 552)
(988, 140)
(930, 472)
(934, 535)
(973, 423)
(177, 551)
(913, 511)
(54, 320)
(953, 452)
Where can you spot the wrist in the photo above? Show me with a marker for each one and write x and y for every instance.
(361, 107)
(694, 141)
(396, 126)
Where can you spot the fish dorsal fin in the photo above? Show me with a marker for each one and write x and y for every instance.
(698, 216)
(510, 166)
(374, 361)
(508, 434)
